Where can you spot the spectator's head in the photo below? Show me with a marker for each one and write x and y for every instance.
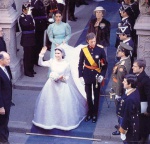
(1, 32)
(126, 11)
(99, 12)
(4, 58)
(25, 7)
(123, 32)
(59, 53)
(130, 81)
(58, 16)
(124, 50)
(91, 39)
(139, 66)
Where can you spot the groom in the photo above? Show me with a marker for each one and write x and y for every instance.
(92, 68)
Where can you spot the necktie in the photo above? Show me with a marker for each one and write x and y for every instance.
(6, 72)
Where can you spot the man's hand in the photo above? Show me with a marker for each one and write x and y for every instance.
(2, 111)
(82, 80)
(43, 51)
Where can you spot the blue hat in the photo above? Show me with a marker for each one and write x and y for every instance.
(123, 30)
(26, 5)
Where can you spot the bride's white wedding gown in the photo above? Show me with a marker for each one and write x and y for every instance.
(61, 105)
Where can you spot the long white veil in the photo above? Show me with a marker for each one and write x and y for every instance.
(72, 56)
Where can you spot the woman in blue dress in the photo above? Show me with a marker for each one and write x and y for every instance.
(58, 32)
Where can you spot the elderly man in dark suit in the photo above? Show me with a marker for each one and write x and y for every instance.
(5, 96)
(92, 69)
(144, 90)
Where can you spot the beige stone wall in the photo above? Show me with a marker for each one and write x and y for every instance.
(142, 27)
(144, 50)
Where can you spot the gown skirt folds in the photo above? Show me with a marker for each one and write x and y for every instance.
(59, 105)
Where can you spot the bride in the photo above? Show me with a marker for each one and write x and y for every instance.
(61, 103)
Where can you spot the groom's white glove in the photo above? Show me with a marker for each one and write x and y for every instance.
(100, 78)
(82, 80)
(123, 136)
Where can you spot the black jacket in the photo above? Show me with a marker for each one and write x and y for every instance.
(103, 33)
(39, 15)
(144, 88)
(27, 26)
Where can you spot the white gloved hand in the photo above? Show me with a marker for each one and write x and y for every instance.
(117, 97)
(100, 78)
(29, 11)
(82, 80)
(123, 136)
(51, 20)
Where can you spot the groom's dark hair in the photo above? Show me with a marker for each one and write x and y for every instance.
(90, 36)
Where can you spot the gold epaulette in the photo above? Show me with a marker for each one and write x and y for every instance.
(100, 46)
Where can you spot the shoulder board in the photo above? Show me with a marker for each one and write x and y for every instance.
(122, 63)
(22, 15)
(100, 46)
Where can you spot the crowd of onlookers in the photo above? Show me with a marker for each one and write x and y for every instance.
(130, 91)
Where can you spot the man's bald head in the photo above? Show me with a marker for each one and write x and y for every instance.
(4, 58)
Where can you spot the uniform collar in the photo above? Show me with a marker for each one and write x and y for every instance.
(126, 40)
(124, 18)
(124, 58)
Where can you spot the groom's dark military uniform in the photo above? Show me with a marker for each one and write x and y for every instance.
(89, 73)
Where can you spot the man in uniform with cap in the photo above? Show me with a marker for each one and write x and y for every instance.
(92, 69)
(120, 69)
(27, 26)
(127, 20)
(134, 6)
(101, 27)
(125, 37)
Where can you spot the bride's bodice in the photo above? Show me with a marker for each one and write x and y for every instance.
(59, 67)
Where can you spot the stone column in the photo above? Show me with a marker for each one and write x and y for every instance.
(8, 19)
(142, 27)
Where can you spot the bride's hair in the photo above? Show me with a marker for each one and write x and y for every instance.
(62, 51)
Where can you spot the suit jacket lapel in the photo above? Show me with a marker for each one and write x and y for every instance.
(3, 74)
